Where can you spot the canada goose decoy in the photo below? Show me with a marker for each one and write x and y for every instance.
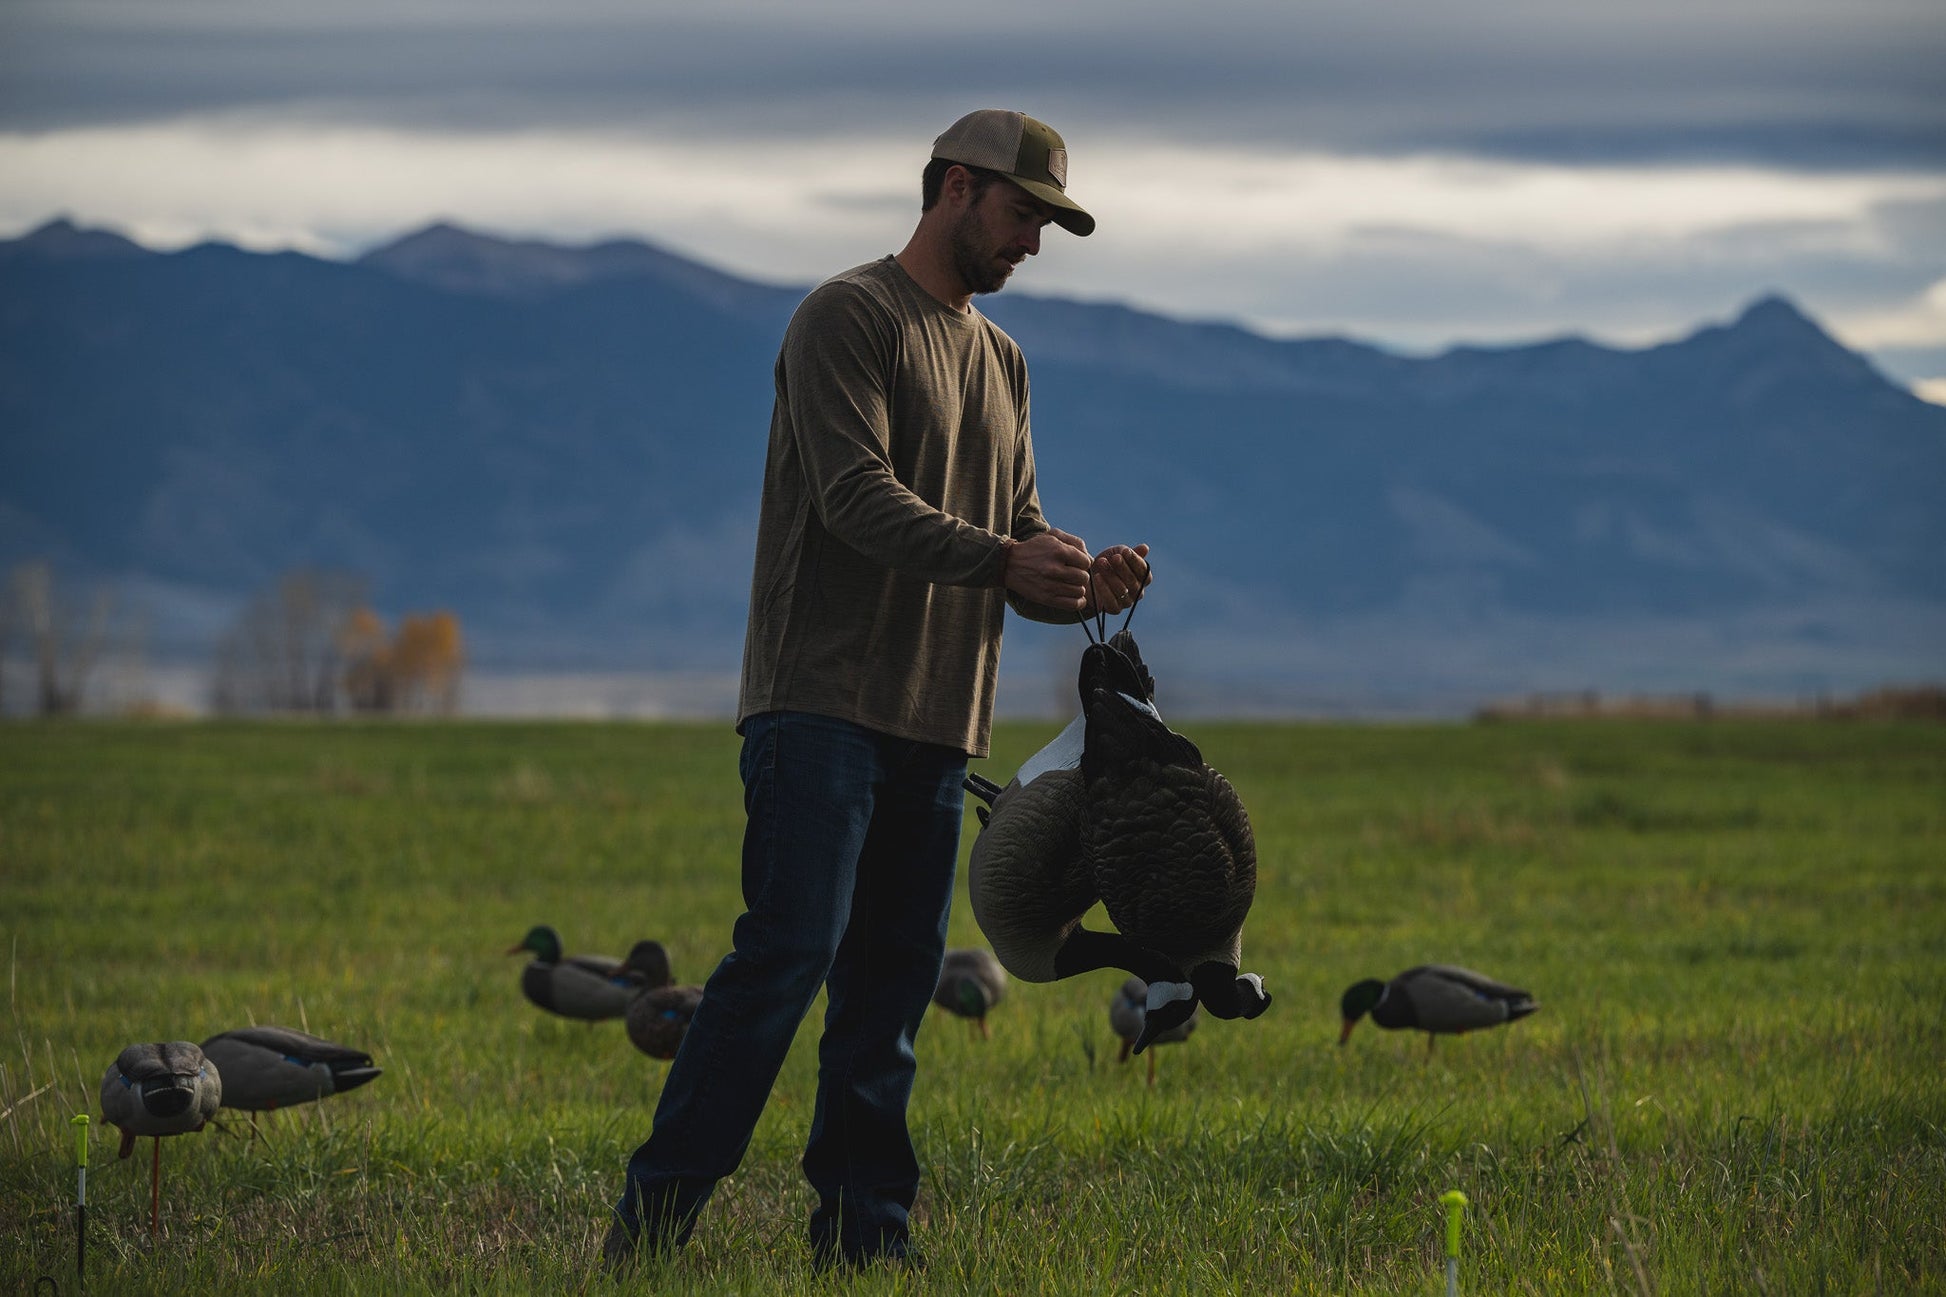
(1437, 999)
(1121, 809)
(266, 1068)
(587, 987)
(167, 1088)
(1128, 1013)
(971, 982)
(658, 1016)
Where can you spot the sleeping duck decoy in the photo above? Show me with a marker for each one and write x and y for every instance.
(971, 982)
(1437, 999)
(588, 987)
(266, 1068)
(658, 1017)
(1128, 1013)
(1120, 809)
(166, 1088)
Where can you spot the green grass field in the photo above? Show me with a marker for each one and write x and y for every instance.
(1737, 1083)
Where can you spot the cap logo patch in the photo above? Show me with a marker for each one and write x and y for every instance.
(1057, 166)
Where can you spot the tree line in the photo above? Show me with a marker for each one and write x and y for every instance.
(310, 643)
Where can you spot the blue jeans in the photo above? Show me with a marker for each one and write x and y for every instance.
(848, 859)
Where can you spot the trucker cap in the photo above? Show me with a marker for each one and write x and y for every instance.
(1025, 151)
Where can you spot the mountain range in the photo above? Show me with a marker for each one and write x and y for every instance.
(563, 445)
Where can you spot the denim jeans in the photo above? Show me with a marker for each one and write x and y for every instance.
(849, 851)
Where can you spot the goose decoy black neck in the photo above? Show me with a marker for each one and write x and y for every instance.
(1226, 993)
(1116, 666)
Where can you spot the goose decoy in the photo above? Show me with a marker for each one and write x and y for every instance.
(1120, 809)
(166, 1088)
(1437, 999)
(658, 1017)
(1128, 1013)
(971, 982)
(587, 987)
(266, 1068)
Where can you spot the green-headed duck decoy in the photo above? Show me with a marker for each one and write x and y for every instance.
(971, 982)
(166, 1088)
(658, 1016)
(1437, 999)
(1128, 1013)
(1121, 809)
(266, 1068)
(591, 988)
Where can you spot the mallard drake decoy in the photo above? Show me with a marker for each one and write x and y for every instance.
(266, 1068)
(658, 1016)
(971, 982)
(1121, 809)
(1437, 999)
(1128, 1014)
(166, 1088)
(591, 988)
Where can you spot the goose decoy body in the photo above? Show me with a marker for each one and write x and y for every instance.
(591, 988)
(166, 1088)
(658, 1016)
(1128, 1013)
(971, 982)
(266, 1068)
(1120, 809)
(1438, 999)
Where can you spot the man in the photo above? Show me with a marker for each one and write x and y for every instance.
(899, 520)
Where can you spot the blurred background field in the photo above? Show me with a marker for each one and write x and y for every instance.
(1734, 1084)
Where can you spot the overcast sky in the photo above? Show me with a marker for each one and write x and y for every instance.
(1411, 172)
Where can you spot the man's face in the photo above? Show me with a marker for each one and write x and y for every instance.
(997, 231)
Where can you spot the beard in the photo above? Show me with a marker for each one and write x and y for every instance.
(980, 268)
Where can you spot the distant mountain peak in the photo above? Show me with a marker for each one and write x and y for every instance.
(62, 239)
(1774, 314)
(450, 257)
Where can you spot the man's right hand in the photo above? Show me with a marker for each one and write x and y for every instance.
(1050, 569)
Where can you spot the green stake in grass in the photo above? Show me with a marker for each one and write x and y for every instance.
(80, 1124)
(1455, 1203)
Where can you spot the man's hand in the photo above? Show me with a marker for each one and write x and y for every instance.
(1050, 569)
(1120, 576)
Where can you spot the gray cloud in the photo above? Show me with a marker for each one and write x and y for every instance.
(1777, 81)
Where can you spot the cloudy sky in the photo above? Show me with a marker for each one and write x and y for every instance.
(1411, 172)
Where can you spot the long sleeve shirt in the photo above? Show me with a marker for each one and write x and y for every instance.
(900, 458)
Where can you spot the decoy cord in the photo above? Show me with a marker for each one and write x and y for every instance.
(1098, 633)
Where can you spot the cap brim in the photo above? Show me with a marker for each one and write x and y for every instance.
(1066, 214)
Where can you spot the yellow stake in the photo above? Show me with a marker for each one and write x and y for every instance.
(80, 1123)
(1455, 1204)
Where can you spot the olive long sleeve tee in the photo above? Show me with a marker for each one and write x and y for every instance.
(900, 458)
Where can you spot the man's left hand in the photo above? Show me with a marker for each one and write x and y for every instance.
(1117, 578)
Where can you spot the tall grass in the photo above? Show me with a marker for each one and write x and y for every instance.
(1734, 1084)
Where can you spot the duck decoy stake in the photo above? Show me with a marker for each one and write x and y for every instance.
(166, 1088)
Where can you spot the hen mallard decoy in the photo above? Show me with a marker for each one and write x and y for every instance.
(266, 1068)
(658, 1016)
(166, 1088)
(1121, 809)
(1437, 999)
(971, 982)
(591, 988)
(1128, 1013)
